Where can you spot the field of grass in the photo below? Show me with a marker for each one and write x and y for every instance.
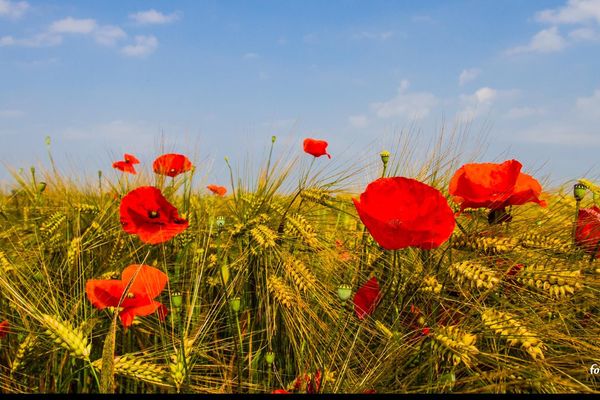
(261, 284)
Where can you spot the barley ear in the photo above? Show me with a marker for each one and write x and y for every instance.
(107, 374)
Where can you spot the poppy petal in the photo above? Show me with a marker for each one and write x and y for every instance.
(315, 147)
(104, 293)
(146, 279)
(4, 328)
(366, 297)
(128, 314)
(131, 159)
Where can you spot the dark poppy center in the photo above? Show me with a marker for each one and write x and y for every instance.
(153, 214)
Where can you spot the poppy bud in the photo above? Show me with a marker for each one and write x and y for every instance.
(579, 191)
(220, 222)
(41, 187)
(270, 357)
(47, 141)
(235, 304)
(344, 292)
(385, 156)
(273, 139)
(176, 299)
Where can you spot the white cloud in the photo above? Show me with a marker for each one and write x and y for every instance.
(374, 35)
(467, 75)
(545, 41)
(422, 19)
(152, 16)
(415, 105)
(524, 112)
(584, 34)
(310, 38)
(39, 40)
(11, 113)
(13, 9)
(575, 11)
(358, 121)
(108, 35)
(250, 56)
(143, 46)
(477, 103)
(589, 107)
(73, 25)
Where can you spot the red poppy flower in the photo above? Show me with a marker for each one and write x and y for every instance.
(366, 298)
(587, 231)
(145, 283)
(280, 391)
(402, 212)
(146, 213)
(127, 164)
(4, 328)
(172, 164)
(316, 147)
(218, 190)
(494, 186)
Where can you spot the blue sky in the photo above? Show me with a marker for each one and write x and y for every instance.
(221, 77)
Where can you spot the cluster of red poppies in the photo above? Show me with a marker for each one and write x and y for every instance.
(401, 212)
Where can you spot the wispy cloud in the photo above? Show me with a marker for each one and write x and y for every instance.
(468, 75)
(106, 35)
(545, 41)
(142, 46)
(524, 112)
(13, 9)
(250, 56)
(153, 17)
(358, 121)
(374, 35)
(575, 11)
(40, 40)
(11, 113)
(109, 35)
(73, 25)
(415, 105)
(476, 103)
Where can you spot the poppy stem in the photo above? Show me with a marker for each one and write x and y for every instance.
(574, 231)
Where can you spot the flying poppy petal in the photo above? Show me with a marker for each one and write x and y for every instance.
(366, 297)
(316, 147)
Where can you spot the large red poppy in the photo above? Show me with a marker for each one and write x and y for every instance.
(587, 232)
(494, 186)
(145, 284)
(146, 213)
(4, 328)
(172, 164)
(366, 297)
(218, 190)
(316, 147)
(402, 212)
(127, 165)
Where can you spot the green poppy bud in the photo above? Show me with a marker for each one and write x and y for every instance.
(273, 139)
(176, 299)
(41, 187)
(47, 140)
(344, 292)
(579, 191)
(235, 304)
(220, 222)
(385, 156)
(270, 357)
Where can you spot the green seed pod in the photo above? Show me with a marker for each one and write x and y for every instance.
(344, 292)
(176, 299)
(579, 191)
(270, 357)
(235, 304)
(385, 157)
